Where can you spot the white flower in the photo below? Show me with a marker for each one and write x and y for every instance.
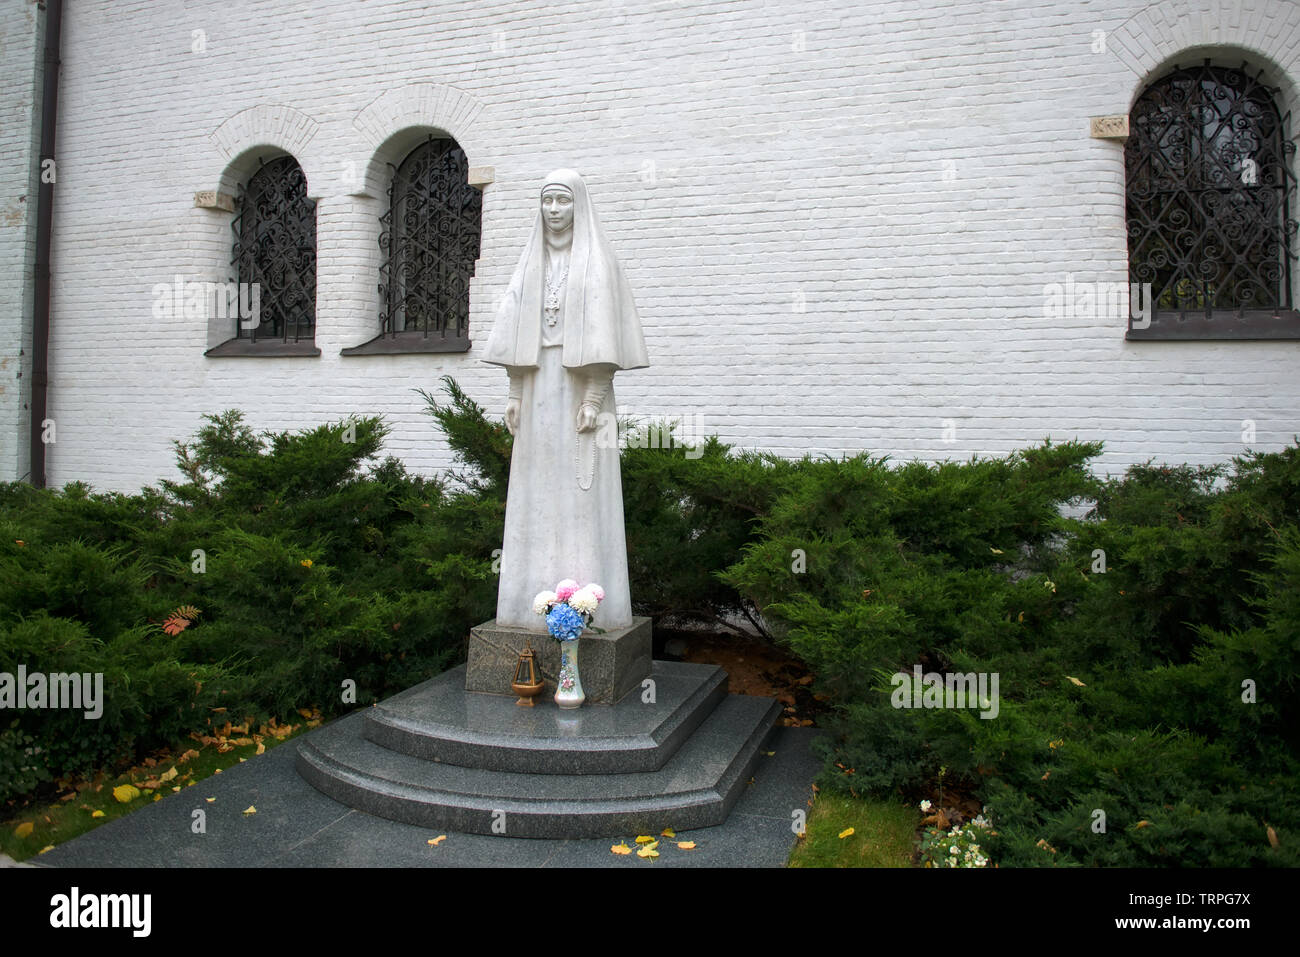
(543, 599)
(925, 806)
(583, 601)
(953, 850)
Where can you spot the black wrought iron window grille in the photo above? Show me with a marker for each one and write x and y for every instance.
(429, 241)
(275, 247)
(1209, 193)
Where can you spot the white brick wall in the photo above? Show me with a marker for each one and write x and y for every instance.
(916, 176)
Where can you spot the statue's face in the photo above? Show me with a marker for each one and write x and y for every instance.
(557, 208)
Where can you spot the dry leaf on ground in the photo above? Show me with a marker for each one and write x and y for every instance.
(125, 793)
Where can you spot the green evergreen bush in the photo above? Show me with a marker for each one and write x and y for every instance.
(1121, 641)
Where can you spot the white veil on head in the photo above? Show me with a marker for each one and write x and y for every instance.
(601, 325)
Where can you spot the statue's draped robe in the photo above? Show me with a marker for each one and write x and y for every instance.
(564, 506)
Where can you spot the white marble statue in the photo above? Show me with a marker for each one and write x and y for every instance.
(566, 325)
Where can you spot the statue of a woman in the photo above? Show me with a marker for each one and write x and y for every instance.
(566, 325)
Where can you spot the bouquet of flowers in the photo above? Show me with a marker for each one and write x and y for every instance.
(569, 609)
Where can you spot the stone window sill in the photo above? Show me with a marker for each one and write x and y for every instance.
(1221, 324)
(402, 343)
(262, 348)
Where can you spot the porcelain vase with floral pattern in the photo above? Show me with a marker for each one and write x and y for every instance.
(568, 685)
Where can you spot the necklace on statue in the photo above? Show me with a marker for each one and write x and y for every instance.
(553, 286)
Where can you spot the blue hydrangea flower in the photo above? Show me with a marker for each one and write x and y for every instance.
(564, 623)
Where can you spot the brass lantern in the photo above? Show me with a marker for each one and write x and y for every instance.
(527, 684)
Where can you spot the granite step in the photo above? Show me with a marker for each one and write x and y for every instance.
(697, 787)
(439, 721)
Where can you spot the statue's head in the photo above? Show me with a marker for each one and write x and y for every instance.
(557, 208)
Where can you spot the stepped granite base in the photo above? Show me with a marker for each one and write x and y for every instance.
(442, 757)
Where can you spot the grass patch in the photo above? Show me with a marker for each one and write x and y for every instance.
(884, 834)
(33, 830)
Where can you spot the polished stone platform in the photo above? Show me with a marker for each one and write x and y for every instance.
(439, 721)
(441, 757)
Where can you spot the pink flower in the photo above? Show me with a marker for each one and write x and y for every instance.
(564, 589)
(597, 591)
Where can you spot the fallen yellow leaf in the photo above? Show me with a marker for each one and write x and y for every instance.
(168, 775)
(96, 813)
(157, 797)
(668, 832)
(438, 840)
(847, 832)
(47, 847)
(24, 829)
(648, 851)
(621, 849)
(1143, 824)
(250, 810)
(261, 748)
(686, 845)
(1076, 681)
(209, 800)
(125, 793)
(644, 839)
(1272, 838)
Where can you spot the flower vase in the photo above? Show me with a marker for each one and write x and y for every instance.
(568, 686)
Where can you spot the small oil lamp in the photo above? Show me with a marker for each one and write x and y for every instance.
(527, 684)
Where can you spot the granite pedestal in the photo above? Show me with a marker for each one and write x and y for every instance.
(611, 664)
(678, 754)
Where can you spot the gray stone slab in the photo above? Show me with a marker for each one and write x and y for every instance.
(289, 810)
(788, 761)
(696, 788)
(439, 721)
(742, 841)
(611, 665)
(310, 830)
(362, 840)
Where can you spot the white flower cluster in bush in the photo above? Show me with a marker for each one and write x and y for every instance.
(956, 847)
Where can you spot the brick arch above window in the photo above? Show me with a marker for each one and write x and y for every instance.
(1267, 33)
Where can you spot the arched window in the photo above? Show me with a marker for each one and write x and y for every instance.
(429, 241)
(274, 255)
(1209, 193)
